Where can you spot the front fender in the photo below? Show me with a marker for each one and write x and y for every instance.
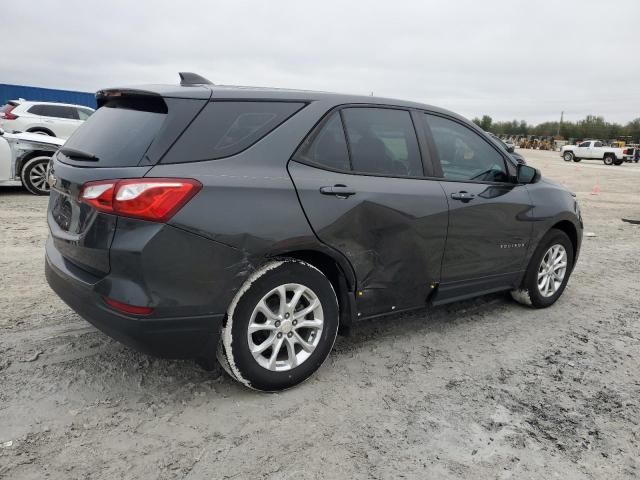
(552, 205)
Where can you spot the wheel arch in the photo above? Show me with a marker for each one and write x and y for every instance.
(22, 161)
(572, 232)
(341, 278)
(46, 130)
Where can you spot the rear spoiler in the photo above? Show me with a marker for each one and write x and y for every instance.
(197, 88)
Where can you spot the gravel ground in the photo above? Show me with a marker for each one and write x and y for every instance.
(480, 389)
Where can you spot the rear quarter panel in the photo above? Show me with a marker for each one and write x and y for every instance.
(248, 201)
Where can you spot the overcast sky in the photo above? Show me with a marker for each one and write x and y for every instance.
(508, 59)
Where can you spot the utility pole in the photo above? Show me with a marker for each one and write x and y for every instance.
(560, 124)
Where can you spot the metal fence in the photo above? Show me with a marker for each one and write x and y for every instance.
(13, 92)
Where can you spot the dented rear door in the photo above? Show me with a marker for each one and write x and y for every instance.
(392, 230)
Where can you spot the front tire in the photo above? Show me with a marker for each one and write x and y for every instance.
(34, 176)
(608, 159)
(548, 272)
(568, 156)
(281, 326)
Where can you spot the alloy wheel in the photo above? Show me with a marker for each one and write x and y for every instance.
(285, 327)
(38, 176)
(552, 270)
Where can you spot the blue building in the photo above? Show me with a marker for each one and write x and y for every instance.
(13, 92)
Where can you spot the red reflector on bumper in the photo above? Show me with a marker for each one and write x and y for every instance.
(126, 308)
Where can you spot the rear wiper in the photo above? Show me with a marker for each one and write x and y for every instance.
(79, 154)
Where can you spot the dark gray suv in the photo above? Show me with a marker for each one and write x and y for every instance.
(197, 219)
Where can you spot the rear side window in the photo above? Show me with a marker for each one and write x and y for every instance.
(43, 110)
(382, 141)
(327, 147)
(225, 128)
(56, 111)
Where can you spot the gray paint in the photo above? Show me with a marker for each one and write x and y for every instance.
(398, 243)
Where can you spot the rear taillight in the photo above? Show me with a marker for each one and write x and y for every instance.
(7, 115)
(627, 151)
(154, 199)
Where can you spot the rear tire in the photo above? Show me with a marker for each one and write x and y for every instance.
(554, 255)
(568, 156)
(42, 131)
(34, 176)
(270, 344)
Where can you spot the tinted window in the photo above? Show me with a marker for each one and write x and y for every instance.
(226, 128)
(465, 155)
(83, 113)
(40, 110)
(117, 136)
(584, 144)
(56, 111)
(382, 141)
(597, 144)
(328, 147)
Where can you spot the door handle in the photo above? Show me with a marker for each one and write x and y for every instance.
(340, 191)
(463, 196)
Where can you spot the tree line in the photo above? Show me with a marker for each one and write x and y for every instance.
(592, 126)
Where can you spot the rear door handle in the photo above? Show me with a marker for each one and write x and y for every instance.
(341, 191)
(462, 196)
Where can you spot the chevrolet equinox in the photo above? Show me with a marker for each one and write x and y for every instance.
(198, 220)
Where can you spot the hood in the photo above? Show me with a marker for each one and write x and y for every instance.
(34, 138)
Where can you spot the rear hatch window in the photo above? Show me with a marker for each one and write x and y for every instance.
(129, 129)
(115, 136)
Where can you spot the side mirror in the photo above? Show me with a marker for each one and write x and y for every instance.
(527, 174)
(511, 149)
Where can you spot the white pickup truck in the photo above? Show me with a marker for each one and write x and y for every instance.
(594, 150)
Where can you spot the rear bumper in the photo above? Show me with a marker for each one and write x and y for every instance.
(169, 337)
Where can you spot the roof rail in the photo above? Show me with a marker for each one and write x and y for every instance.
(189, 78)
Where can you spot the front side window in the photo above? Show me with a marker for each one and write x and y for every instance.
(585, 144)
(328, 147)
(382, 141)
(465, 155)
(70, 113)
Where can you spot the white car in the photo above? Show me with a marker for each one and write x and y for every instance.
(54, 119)
(510, 144)
(24, 158)
(594, 150)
